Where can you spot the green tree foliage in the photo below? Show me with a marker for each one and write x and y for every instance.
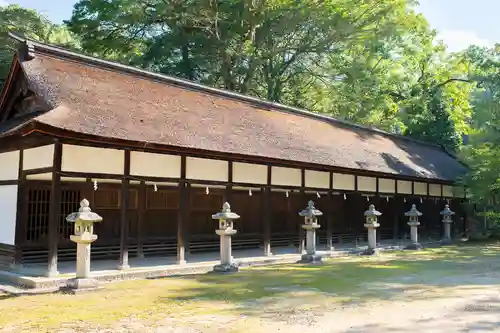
(32, 25)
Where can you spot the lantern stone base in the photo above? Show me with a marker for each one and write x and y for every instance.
(78, 285)
(226, 268)
(311, 259)
(414, 246)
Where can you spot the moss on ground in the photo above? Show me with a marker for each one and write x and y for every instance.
(250, 292)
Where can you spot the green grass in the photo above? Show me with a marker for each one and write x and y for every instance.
(251, 291)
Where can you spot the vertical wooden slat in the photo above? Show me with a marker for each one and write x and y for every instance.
(54, 211)
(124, 220)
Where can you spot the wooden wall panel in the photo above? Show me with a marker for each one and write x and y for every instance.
(447, 191)
(8, 207)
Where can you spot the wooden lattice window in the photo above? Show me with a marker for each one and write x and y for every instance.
(70, 202)
(38, 214)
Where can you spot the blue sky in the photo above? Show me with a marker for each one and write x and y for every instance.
(459, 22)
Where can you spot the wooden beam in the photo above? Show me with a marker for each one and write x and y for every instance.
(229, 186)
(124, 221)
(54, 211)
(182, 216)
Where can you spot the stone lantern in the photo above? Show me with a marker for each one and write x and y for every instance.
(371, 224)
(413, 215)
(225, 231)
(83, 236)
(447, 213)
(310, 214)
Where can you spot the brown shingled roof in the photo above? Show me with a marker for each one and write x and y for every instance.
(109, 100)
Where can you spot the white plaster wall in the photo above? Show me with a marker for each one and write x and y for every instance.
(8, 207)
(206, 169)
(39, 157)
(367, 184)
(420, 188)
(343, 182)
(155, 165)
(435, 190)
(317, 179)
(447, 191)
(286, 176)
(386, 185)
(92, 160)
(249, 173)
(9, 165)
(458, 192)
(404, 187)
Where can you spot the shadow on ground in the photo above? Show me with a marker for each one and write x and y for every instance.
(345, 282)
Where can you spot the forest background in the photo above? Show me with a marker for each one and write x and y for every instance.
(376, 63)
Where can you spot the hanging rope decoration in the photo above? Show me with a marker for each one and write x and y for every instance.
(155, 188)
(249, 192)
(421, 200)
(387, 199)
(286, 194)
(207, 191)
(318, 195)
(345, 196)
(404, 199)
(367, 198)
(95, 185)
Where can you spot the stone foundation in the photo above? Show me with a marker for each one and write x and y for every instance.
(414, 246)
(311, 259)
(226, 268)
(78, 285)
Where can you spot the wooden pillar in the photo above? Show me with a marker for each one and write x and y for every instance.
(21, 217)
(54, 211)
(229, 187)
(181, 216)
(124, 221)
(141, 209)
(266, 212)
(329, 217)
(397, 203)
(302, 235)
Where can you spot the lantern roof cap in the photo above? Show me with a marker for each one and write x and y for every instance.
(84, 214)
(447, 211)
(372, 211)
(226, 213)
(413, 211)
(310, 210)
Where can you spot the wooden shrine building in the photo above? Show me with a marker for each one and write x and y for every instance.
(156, 156)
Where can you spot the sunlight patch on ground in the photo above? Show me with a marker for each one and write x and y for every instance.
(255, 292)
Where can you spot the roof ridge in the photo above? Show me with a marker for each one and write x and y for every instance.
(30, 46)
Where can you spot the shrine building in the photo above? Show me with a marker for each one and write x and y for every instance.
(156, 156)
